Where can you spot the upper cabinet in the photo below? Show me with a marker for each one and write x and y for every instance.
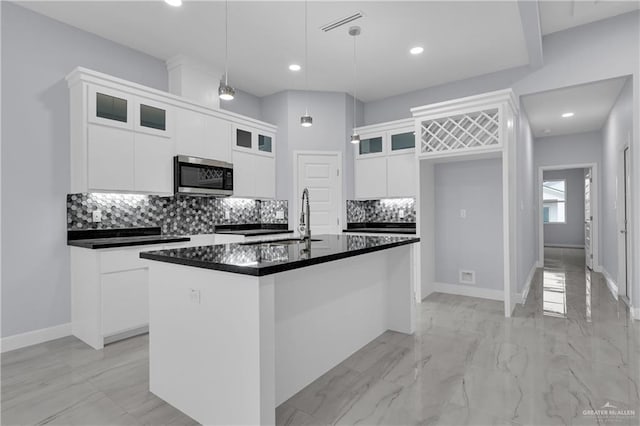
(202, 135)
(124, 137)
(253, 140)
(254, 162)
(385, 162)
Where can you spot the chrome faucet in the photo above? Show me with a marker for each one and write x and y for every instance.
(305, 223)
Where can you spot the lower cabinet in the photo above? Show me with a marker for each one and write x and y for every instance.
(125, 301)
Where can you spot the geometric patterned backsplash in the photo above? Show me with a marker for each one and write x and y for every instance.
(176, 215)
(380, 211)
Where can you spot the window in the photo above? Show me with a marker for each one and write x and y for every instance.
(554, 197)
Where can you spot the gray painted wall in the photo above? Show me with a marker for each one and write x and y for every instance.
(244, 103)
(474, 243)
(37, 53)
(616, 134)
(332, 122)
(568, 149)
(526, 236)
(570, 233)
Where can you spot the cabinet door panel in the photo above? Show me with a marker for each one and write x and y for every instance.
(265, 177)
(244, 174)
(189, 134)
(125, 301)
(401, 178)
(217, 138)
(371, 177)
(153, 164)
(110, 158)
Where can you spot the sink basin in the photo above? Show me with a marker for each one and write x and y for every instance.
(277, 242)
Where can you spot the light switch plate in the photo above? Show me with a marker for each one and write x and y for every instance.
(280, 214)
(96, 216)
(194, 296)
(401, 213)
(463, 214)
(227, 214)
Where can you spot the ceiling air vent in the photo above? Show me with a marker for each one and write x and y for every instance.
(342, 21)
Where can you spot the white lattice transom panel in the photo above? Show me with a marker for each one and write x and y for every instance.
(473, 130)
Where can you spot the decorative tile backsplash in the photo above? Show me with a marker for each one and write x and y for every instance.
(177, 215)
(379, 211)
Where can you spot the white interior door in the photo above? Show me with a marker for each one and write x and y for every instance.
(320, 173)
(588, 218)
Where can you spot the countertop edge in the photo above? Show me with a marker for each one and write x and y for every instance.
(276, 268)
(97, 246)
(256, 232)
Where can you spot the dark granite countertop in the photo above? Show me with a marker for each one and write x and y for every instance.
(409, 231)
(250, 230)
(270, 257)
(382, 227)
(123, 237)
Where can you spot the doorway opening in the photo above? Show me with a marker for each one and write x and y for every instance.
(568, 210)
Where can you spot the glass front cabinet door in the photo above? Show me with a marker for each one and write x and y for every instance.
(110, 107)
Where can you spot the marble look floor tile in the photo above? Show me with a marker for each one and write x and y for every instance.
(465, 365)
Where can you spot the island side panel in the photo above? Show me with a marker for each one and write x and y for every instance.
(326, 312)
(206, 332)
(401, 288)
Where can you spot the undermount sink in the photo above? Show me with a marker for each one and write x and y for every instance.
(277, 242)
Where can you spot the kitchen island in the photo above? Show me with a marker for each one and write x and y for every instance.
(237, 329)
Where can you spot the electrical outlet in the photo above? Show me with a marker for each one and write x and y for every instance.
(463, 214)
(401, 213)
(227, 214)
(280, 214)
(194, 296)
(96, 216)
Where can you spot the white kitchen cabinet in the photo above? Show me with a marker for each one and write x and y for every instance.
(385, 161)
(371, 178)
(254, 175)
(153, 164)
(123, 137)
(401, 175)
(202, 135)
(244, 179)
(110, 158)
(264, 172)
(125, 300)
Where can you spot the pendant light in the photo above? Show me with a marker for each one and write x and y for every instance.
(226, 92)
(306, 120)
(354, 32)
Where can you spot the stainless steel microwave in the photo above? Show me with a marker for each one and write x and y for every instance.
(201, 176)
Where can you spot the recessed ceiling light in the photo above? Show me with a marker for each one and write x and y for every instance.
(174, 3)
(416, 50)
(295, 67)
(567, 115)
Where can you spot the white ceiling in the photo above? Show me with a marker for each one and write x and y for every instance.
(591, 104)
(560, 15)
(461, 40)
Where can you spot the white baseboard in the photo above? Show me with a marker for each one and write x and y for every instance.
(467, 290)
(34, 337)
(611, 283)
(522, 297)
(577, 246)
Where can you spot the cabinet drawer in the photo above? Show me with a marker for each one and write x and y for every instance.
(124, 260)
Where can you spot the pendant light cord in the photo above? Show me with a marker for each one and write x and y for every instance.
(306, 57)
(355, 83)
(226, 42)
